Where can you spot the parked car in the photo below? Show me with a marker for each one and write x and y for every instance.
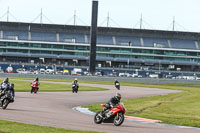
(42, 71)
(66, 72)
(49, 71)
(77, 71)
(135, 75)
(124, 75)
(153, 75)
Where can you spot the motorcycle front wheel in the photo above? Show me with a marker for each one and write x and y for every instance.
(119, 119)
(98, 118)
(31, 89)
(35, 90)
(5, 103)
(118, 87)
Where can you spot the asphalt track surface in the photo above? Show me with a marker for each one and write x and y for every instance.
(55, 109)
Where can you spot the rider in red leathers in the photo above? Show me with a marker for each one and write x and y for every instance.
(35, 85)
(112, 103)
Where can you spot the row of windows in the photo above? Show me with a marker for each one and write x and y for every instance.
(148, 57)
(100, 49)
(99, 55)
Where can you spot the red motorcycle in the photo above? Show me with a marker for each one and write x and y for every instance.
(114, 115)
(34, 86)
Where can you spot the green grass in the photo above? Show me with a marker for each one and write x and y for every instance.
(15, 127)
(150, 85)
(25, 86)
(179, 109)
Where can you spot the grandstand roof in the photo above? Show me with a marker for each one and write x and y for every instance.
(101, 30)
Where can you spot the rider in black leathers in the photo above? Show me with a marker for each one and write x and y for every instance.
(117, 84)
(112, 103)
(6, 86)
(75, 82)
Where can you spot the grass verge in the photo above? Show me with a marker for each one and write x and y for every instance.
(24, 86)
(179, 109)
(15, 127)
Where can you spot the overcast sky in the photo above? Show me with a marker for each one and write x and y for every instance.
(156, 14)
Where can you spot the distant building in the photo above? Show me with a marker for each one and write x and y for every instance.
(116, 47)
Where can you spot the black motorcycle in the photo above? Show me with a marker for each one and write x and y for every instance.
(75, 88)
(7, 97)
(117, 85)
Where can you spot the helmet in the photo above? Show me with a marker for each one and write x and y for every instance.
(118, 96)
(12, 86)
(36, 78)
(115, 79)
(6, 80)
(76, 79)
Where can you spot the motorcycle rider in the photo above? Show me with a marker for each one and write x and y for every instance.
(75, 82)
(36, 81)
(7, 86)
(75, 85)
(6, 82)
(117, 84)
(112, 103)
(4, 86)
(12, 89)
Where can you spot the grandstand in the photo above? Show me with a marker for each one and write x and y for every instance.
(116, 47)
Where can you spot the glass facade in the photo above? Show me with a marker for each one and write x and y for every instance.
(123, 52)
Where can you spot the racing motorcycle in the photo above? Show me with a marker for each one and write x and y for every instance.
(75, 87)
(7, 96)
(114, 115)
(117, 85)
(34, 87)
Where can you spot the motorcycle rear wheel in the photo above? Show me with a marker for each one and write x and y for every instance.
(118, 120)
(98, 119)
(5, 103)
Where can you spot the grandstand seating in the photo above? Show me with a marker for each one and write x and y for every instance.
(43, 36)
(185, 63)
(72, 37)
(155, 42)
(101, 39)
(124, 40)
(44, 55)
(15, 35)
(104, 39)
(183, 44)
(105, 58)
(72, 56)
(14, 54)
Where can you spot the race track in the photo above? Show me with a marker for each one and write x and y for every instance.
(55, 109)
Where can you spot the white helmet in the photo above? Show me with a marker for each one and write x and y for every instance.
(118, 96)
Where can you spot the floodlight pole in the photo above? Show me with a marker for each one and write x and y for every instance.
(108, 20)
(74, 17)
(41, 16)
(141, 22)
(173, 27)
(8, 14)
(93, 37)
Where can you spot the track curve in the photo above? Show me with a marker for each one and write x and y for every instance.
(55, 109)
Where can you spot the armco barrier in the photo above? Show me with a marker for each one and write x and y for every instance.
(96, 78)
